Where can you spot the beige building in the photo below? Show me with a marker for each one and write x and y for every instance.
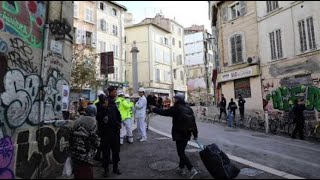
(175, 41)
(154, 61)
(235, 28)
(110, 37)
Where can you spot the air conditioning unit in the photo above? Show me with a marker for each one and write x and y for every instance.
(253, 60)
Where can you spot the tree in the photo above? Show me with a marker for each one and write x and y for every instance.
(83, 74)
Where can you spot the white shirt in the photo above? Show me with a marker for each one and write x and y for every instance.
(141, 107)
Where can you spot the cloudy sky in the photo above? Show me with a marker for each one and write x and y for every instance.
(185, 12)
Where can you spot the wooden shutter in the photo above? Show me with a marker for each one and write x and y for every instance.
(225, 14)
(93, 40)
(243, 7)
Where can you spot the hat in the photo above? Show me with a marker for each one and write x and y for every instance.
(91, 110)
(120, 93)
(179, 96)
(126, 96)
(112, 88)
(142, 89)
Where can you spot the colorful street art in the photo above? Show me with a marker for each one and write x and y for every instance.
(24, 19)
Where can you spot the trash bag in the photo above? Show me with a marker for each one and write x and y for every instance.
(67, 169)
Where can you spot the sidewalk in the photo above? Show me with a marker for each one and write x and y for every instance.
(157, 159)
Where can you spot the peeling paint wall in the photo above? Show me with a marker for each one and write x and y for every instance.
(31, 79)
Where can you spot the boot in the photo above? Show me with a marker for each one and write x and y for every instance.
(116, 169)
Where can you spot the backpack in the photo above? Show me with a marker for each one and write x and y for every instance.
(187, 119)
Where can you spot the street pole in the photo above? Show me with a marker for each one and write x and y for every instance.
(135, 84)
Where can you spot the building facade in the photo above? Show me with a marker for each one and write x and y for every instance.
(36, 40)
(289, 44)
(154, 60)
(199, 63)
(175, 41)
(236, 31)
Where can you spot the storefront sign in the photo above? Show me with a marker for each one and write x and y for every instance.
(238, 74)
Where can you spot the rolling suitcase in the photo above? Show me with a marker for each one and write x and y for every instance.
(217, 162)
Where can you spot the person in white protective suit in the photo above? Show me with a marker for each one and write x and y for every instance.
(140, 114)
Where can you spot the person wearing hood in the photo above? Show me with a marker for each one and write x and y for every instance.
(183, 126)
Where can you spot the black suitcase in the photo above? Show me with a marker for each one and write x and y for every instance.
(217, 163)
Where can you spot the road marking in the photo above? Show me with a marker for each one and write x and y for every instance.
(243, 161)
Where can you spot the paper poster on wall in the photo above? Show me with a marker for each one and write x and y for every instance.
(65, 97)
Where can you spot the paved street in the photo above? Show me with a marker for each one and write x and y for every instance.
(295, 157)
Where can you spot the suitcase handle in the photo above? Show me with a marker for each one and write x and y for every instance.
(200, 145)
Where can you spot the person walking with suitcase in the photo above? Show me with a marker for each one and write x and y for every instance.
(223, 104)
(298, 118)
(183, 126)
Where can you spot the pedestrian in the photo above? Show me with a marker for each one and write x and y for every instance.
(232, 106)
(223, 104)
(140, 115)
(110, 135)
(299, 119)
(160, 102)
(82, 107)
(124, 106)
(241, 103)
(84, 141)
(100, 108)
(183, 126)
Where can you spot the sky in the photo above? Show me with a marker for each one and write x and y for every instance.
(185, 13)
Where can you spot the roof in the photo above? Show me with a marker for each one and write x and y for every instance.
(119, 5)
(143, 24)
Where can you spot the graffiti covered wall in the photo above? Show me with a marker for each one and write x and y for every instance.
(31, 80)
(298, 79)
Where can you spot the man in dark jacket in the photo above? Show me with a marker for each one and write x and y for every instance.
(223, 104)
(232, 106)
(298, 118)
(110, 120)
(100, 109)
(181, 129)
(241, 103)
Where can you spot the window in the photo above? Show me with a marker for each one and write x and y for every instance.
(181, 75)
(115, 30)
(180, 31)
(102, 46)
(75, 9)
(157, 75)
(179, 44)
(172, 28)
(307, 35)
(114, 12)
(272, 5)
(236, 48)
(89, 15)
(88, 38)
(165, 41)
(235, 10)
(102, 6)
(103, 25)
(116, 73)
(173, 41)
(276, 44)
(115, 49)
(174, 57)
(179, 59)
(175, 74)
(242, 86)
(125, 39)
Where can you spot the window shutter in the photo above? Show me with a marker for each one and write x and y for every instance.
(233, 49)
(239, 48)
(78, 36)
(94, 39)
(83, 37)
(225, 14)
(243, 7)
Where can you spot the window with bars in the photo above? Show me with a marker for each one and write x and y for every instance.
(307, 34)
(276, 44)
(236, 49)
(272, 5)
(115, 30)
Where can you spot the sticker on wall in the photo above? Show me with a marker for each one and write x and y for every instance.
(56, 47)
(65, 97)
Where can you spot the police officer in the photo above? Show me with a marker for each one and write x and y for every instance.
(110, 135)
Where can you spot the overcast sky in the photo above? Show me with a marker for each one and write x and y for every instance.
(185, 13)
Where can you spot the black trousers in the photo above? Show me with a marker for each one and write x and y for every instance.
(299, 128)
(241, 113)
(184, 160)
(223, 110)
(111, 144)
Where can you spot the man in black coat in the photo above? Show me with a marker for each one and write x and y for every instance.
(223, 104)
(232, 106)
(110, 120)
(298, 118)
(183, 126)
(241, 103)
